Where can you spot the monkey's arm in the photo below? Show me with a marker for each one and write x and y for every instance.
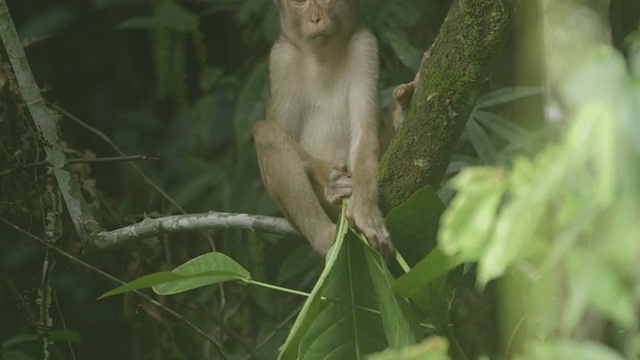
(333, 178)
(363, 212)
(284, 109)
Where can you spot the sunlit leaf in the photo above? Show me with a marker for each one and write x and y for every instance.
(532, 186)
(203, 270)
(603, 66)
(570, 349)
(470, 218)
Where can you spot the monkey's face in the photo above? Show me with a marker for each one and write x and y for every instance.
(318, 22)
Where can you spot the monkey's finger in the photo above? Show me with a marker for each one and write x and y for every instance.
(403, 94)
(387, 248)
(384, 245)
(338, 166)
(340, 177)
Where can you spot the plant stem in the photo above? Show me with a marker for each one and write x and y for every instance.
(274, 287)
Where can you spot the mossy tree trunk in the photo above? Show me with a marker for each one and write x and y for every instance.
(458, 65)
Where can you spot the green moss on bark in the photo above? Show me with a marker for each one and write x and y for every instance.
(458, 65)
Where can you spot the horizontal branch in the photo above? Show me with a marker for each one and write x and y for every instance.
(204, 221)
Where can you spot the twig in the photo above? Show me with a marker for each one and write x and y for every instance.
(279, 327)
(112, 278)
(180, 223)
(144, 177)
(81, 161)
(228, 331)
(47, 133)
(115, 147)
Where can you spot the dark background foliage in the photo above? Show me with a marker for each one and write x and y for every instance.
(182, 81)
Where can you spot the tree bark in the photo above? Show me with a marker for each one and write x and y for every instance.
(449, 85)
(83, 220)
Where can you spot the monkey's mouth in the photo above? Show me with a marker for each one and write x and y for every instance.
(319, 40)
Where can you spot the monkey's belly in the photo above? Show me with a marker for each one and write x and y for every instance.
(327, 140)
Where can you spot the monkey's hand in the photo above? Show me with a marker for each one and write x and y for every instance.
(339, 184)
(366, 217)
(404, 93)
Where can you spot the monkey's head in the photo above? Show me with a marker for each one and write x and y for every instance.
(317, 22)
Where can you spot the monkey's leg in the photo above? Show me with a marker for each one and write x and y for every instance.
(282, 166)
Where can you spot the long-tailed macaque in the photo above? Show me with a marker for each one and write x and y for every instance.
(320, 141)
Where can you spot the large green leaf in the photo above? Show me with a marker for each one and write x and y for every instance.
(351, 311)
(467, 224)
(416, 283)
(414, 224)
(203, 270)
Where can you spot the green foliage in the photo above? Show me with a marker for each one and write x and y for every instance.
(414, 224)
(406, 53)
(514, 137)
(8, 345)
(351, 311)
(434, 348)
(569, 349)
(169, 25)
(203, 270)
(563, 216)
(566, 216)
(252, 102)
(632, 43)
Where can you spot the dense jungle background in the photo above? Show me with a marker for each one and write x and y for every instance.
(177, 84)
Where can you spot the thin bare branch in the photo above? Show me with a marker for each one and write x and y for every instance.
(82, 218)
(180, 223)
(115, 147)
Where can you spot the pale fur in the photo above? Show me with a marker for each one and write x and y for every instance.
(323, 109)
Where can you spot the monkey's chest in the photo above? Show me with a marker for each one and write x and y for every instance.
(326, 134)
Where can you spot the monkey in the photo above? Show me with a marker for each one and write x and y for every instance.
(320, 141)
